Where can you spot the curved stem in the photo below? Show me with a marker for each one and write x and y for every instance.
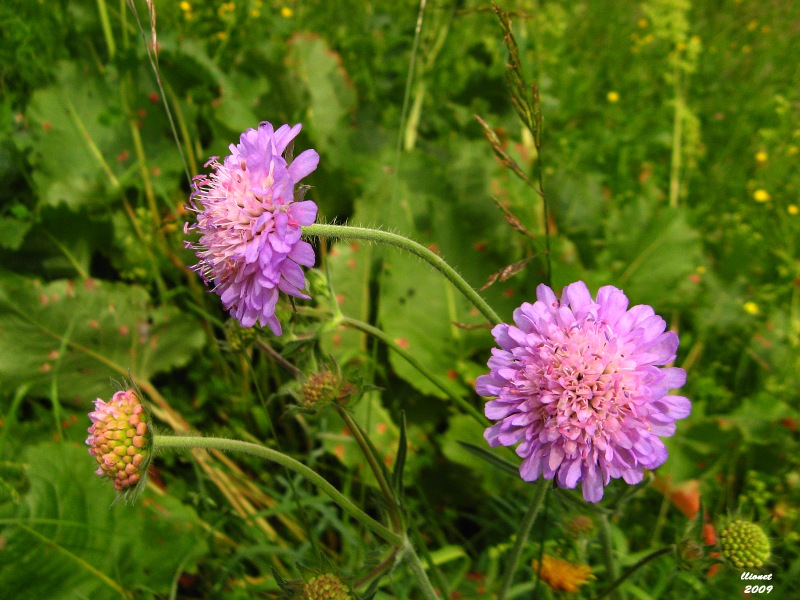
(418, 569)
(344, 232)
(522, 537)
(192, 442)
(427, 373)
(367, 451)
(631, 570)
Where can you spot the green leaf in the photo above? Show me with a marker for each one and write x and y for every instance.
(378, 426)
(653, 253)
(78, 335)
(65, 542)
(402, 453)
(349, 266)
(77, 130)
(459, 445)
(417, 310)
(331, 95)
(12, 232)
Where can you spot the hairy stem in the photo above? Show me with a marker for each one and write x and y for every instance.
(192, 442)
(345, 232)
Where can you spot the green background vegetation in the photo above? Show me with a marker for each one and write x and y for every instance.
(671, 163)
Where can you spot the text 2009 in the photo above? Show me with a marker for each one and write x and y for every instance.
(757, 589)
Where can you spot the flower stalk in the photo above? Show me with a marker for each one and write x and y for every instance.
(372, 460)
(345, 232)
(522, 537)
(191, 442)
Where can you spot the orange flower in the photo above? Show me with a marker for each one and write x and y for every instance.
(561, 575)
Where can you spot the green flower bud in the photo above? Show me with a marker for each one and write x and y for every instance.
(324, 387)
(326, 587)
(745, 545)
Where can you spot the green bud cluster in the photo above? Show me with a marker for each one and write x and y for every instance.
(325, 386)
(326, 587)
(745, 545)
(120, 439)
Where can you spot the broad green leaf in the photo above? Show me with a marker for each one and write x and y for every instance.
(64, 541)
(77, 133)
(417, 310)
(349, 266)
(331, 95)
(78, 335)
(12, 232)
(653, 252)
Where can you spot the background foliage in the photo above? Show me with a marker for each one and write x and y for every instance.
(670, 161)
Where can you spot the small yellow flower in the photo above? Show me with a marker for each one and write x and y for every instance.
(643, 23)
(751, 308)
(792, 150)
(221, 35)
(761, 196)
(613, 97)
(761, 156)
(701, 269)
(562, 575)
(792, 209)
(287, 13)
(255, 13)
(747, 49)
(185, 6)
(752, 26)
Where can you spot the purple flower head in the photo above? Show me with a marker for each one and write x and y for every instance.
(579, 388)
(249, 224)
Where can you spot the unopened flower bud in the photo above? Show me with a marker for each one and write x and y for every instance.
(325, 386)
(745, 545)
(579, 526)
(326, 587)
(120, 439)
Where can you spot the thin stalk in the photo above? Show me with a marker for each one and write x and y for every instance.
(522, 537)
(108, 34)
(192, 442)
(379, 569)
(608, 555)
(631, 570)
(345, 232)
(418, 569)
(408, 357)
(548, 261)
(366, 450)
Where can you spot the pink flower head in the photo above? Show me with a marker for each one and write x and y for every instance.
(120, 439)
(250, 225)
(577, 385)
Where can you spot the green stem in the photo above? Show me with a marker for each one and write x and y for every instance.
(367, 451)
(631, 570)
(108, 34)
(418, 569)
(345, 232)
(608, 555)
(192, 442)
(522, 537)
(427, 373)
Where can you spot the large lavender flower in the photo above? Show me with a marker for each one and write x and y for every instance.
(250, 225)
(578, 387)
